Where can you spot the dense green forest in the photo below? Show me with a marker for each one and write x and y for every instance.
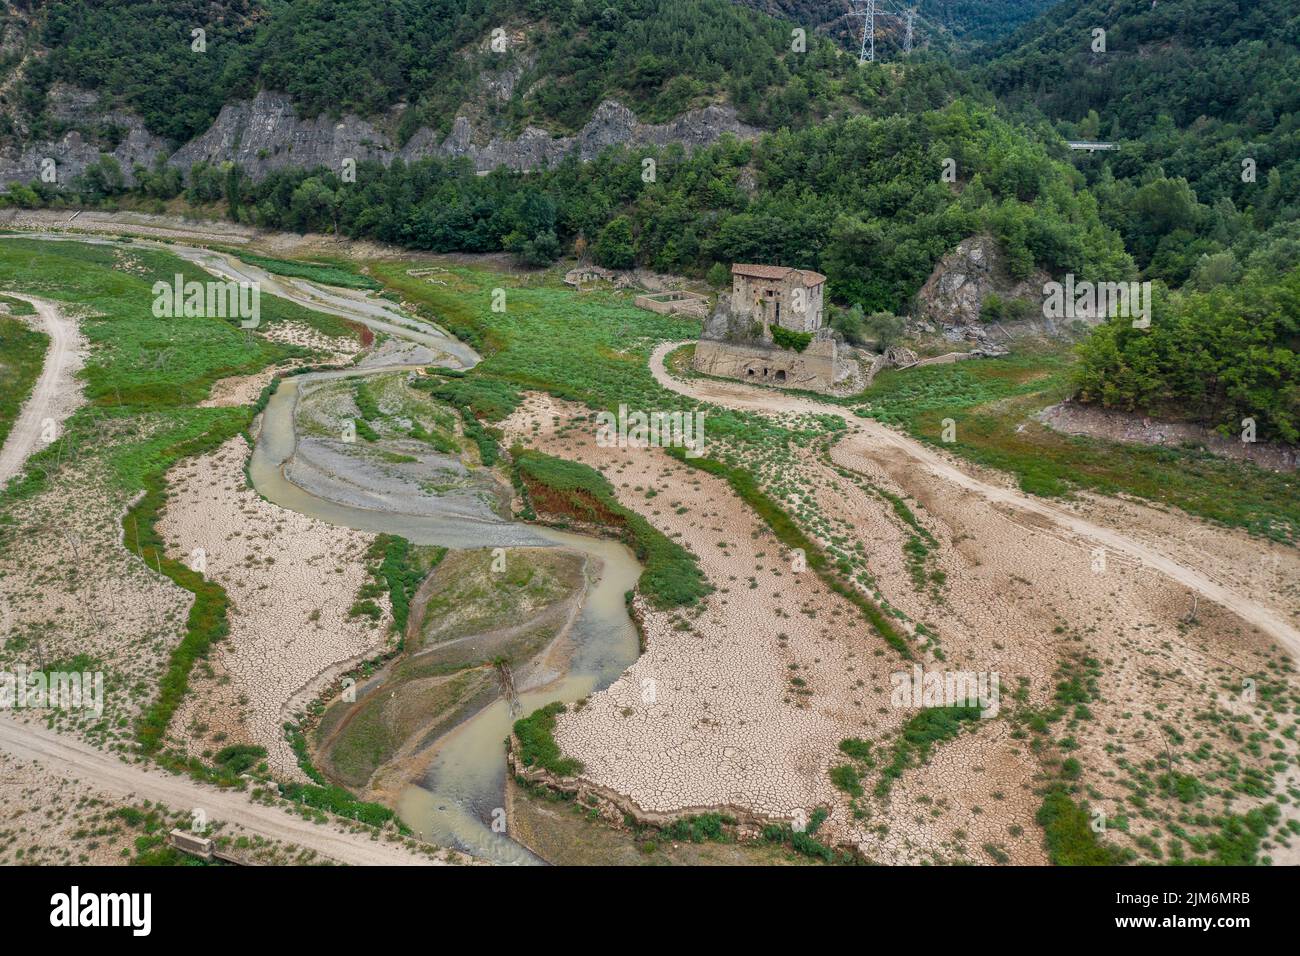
(138, 53)
(1202, 98)
(941, 24)
(1221, 356)
(426, 57)
(980, 21)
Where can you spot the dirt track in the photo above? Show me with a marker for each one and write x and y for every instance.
(871, 436)
(51, 396)
(67, 756)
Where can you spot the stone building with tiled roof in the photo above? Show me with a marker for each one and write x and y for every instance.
(771, 329)
(778, 295)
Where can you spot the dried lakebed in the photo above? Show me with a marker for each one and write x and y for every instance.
(459, 794)
(459, 791)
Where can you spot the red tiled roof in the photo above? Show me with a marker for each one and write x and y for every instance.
(776, 272)
(760, 272)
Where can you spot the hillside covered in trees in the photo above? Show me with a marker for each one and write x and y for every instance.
(425, 59)
(1203, 101)
(862, 199)
(1201, 197)
(941, 24)
(1202, 97)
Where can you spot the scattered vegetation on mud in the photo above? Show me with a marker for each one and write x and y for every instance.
(207, 622)
(805, 841)
(992, 403)
(922, 731)
(396, 567)
(792, 536)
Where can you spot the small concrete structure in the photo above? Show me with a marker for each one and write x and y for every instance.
(191, 844)
(674, 303)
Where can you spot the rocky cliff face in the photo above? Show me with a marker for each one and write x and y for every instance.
(74, 151)
(264, 134)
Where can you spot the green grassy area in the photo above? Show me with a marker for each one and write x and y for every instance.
(805, 841)
(320, 794)
(397, 567)
(136, 359)
(473, 594)
(592, 348)
(537, 746)
(991, 401)
(22, 354)
(1070, 838)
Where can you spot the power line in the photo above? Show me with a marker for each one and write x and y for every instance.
(867, 11)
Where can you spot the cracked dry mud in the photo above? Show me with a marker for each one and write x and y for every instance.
(725, 729)
(291, 580)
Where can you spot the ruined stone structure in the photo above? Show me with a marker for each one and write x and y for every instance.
(676, 302)
(813, 368)
(738, 341)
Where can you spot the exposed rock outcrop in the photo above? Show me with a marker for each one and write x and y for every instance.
(954, 294)
(264, 133)
(73, 151)
(724, 325)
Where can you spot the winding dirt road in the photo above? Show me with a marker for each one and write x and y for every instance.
(870, 437)
(50, 397)
(66, 756)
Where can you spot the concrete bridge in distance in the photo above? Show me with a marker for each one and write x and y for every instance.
(1090, 147)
